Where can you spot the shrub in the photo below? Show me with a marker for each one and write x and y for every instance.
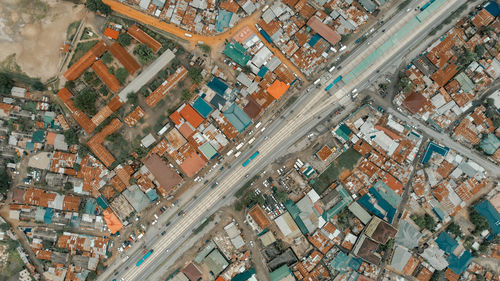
(145, 54)
(124, 39)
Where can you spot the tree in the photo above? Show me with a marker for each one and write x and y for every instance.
(195, 75)
(88, 76)
(85, 101)
(6, 84)
(38, 86)
(124, 39)
(246, 69)
(479, 221)
(71, 137)
(98, 6)
(480, 50)
(83, 150)
(281, 196)
(453, 228)
(121, 74)
(185, 94)
(425, 221)
(145, 54)
(68, 186)
(70, 84)
(4, 179)
(205, 48)
(107, 58)
(133, 98)
(438, 275)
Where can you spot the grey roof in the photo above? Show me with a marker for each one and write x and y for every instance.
(400, 258)
(159, 3)
(465, 83)
(276, 36)
(243, 79)
(249, 7)
(144, 4)
(204, 252)
(215, 262)
(136, 197)
(273, 63)
(268, 16)
(408, 235)
(60, 142)
(368, 5)
(359, 212)
(238, 242)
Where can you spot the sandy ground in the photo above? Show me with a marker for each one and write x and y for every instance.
(33, 30)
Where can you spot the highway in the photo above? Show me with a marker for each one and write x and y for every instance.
(302, 116)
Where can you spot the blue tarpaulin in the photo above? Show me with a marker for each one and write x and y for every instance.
(268, 38)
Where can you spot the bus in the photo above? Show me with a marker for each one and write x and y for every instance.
(250, 159)
(144, 258)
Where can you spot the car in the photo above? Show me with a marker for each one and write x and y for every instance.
(163, 233)
(167, 224)
(381, 109)
(181, 213)
(154, 222)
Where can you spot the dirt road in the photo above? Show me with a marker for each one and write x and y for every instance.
(215, 41)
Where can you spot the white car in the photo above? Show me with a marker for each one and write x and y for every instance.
(154, 222)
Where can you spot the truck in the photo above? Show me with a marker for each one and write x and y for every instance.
(317, 81)
(144, 257)
(188, 35)
(337, 79)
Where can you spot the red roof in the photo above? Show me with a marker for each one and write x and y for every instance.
(124, 58)
(324, 30)
(414, 101)
(95, 143)
(109, 79)
(111, 33)
(176, 118)
(277, 89)
(77, 114)
(172, 81)
(144, 38)
(192, 164)
(85, 61)
(191, 116)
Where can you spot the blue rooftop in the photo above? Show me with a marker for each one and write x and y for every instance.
(446, 242)
(91, 206)
(459, 264)
(223, 20)
(237, 117)
(384, 211)
(343, 262)
(102, 202)
(433, 148)
(262, 71)
(245, 275)
(314, 40)
(47, 218)
(152, 195)
(218, 86)
(487, 210)
(203, 108)
(492, 8)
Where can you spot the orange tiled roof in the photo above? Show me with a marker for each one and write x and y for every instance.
(124, 58)
(166, 86)
(95, 143)
(144, 38)
(109, 79)
(111, 33)
(85, 61)
(133, 117)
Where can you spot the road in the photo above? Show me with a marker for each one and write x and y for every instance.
(215, 41)
(296, 122)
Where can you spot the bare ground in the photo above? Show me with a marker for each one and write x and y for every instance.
(31, 32)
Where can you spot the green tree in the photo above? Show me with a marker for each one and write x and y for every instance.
(195, 75)
(6, 84)
(4, 179)
(121, 74)
(479, 221)
(205, 48)
(88, 76)
(124, 39)
(98, 6)
(246, 69)
(145, 54)
(185, 94)
(85, 101)
(38, 86)
(133, 98)
(68, 186)
(83, 150)
(438, 275)
(107, 58)
(281, 195)
(71, 137)
(454, 229)
(70, 84)
(480, 50)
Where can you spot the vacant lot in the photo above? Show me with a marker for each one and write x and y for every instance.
(346, 161)
(31, 32)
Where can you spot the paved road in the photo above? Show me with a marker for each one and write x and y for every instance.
(296, 122)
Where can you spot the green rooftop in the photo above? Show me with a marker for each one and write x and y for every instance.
(280, 273)
(236, 52)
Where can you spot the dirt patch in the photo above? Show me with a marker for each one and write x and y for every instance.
(31, 32)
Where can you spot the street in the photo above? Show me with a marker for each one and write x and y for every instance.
(304, 114)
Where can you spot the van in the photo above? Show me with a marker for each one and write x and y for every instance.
(331, 69)
(188, 35)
